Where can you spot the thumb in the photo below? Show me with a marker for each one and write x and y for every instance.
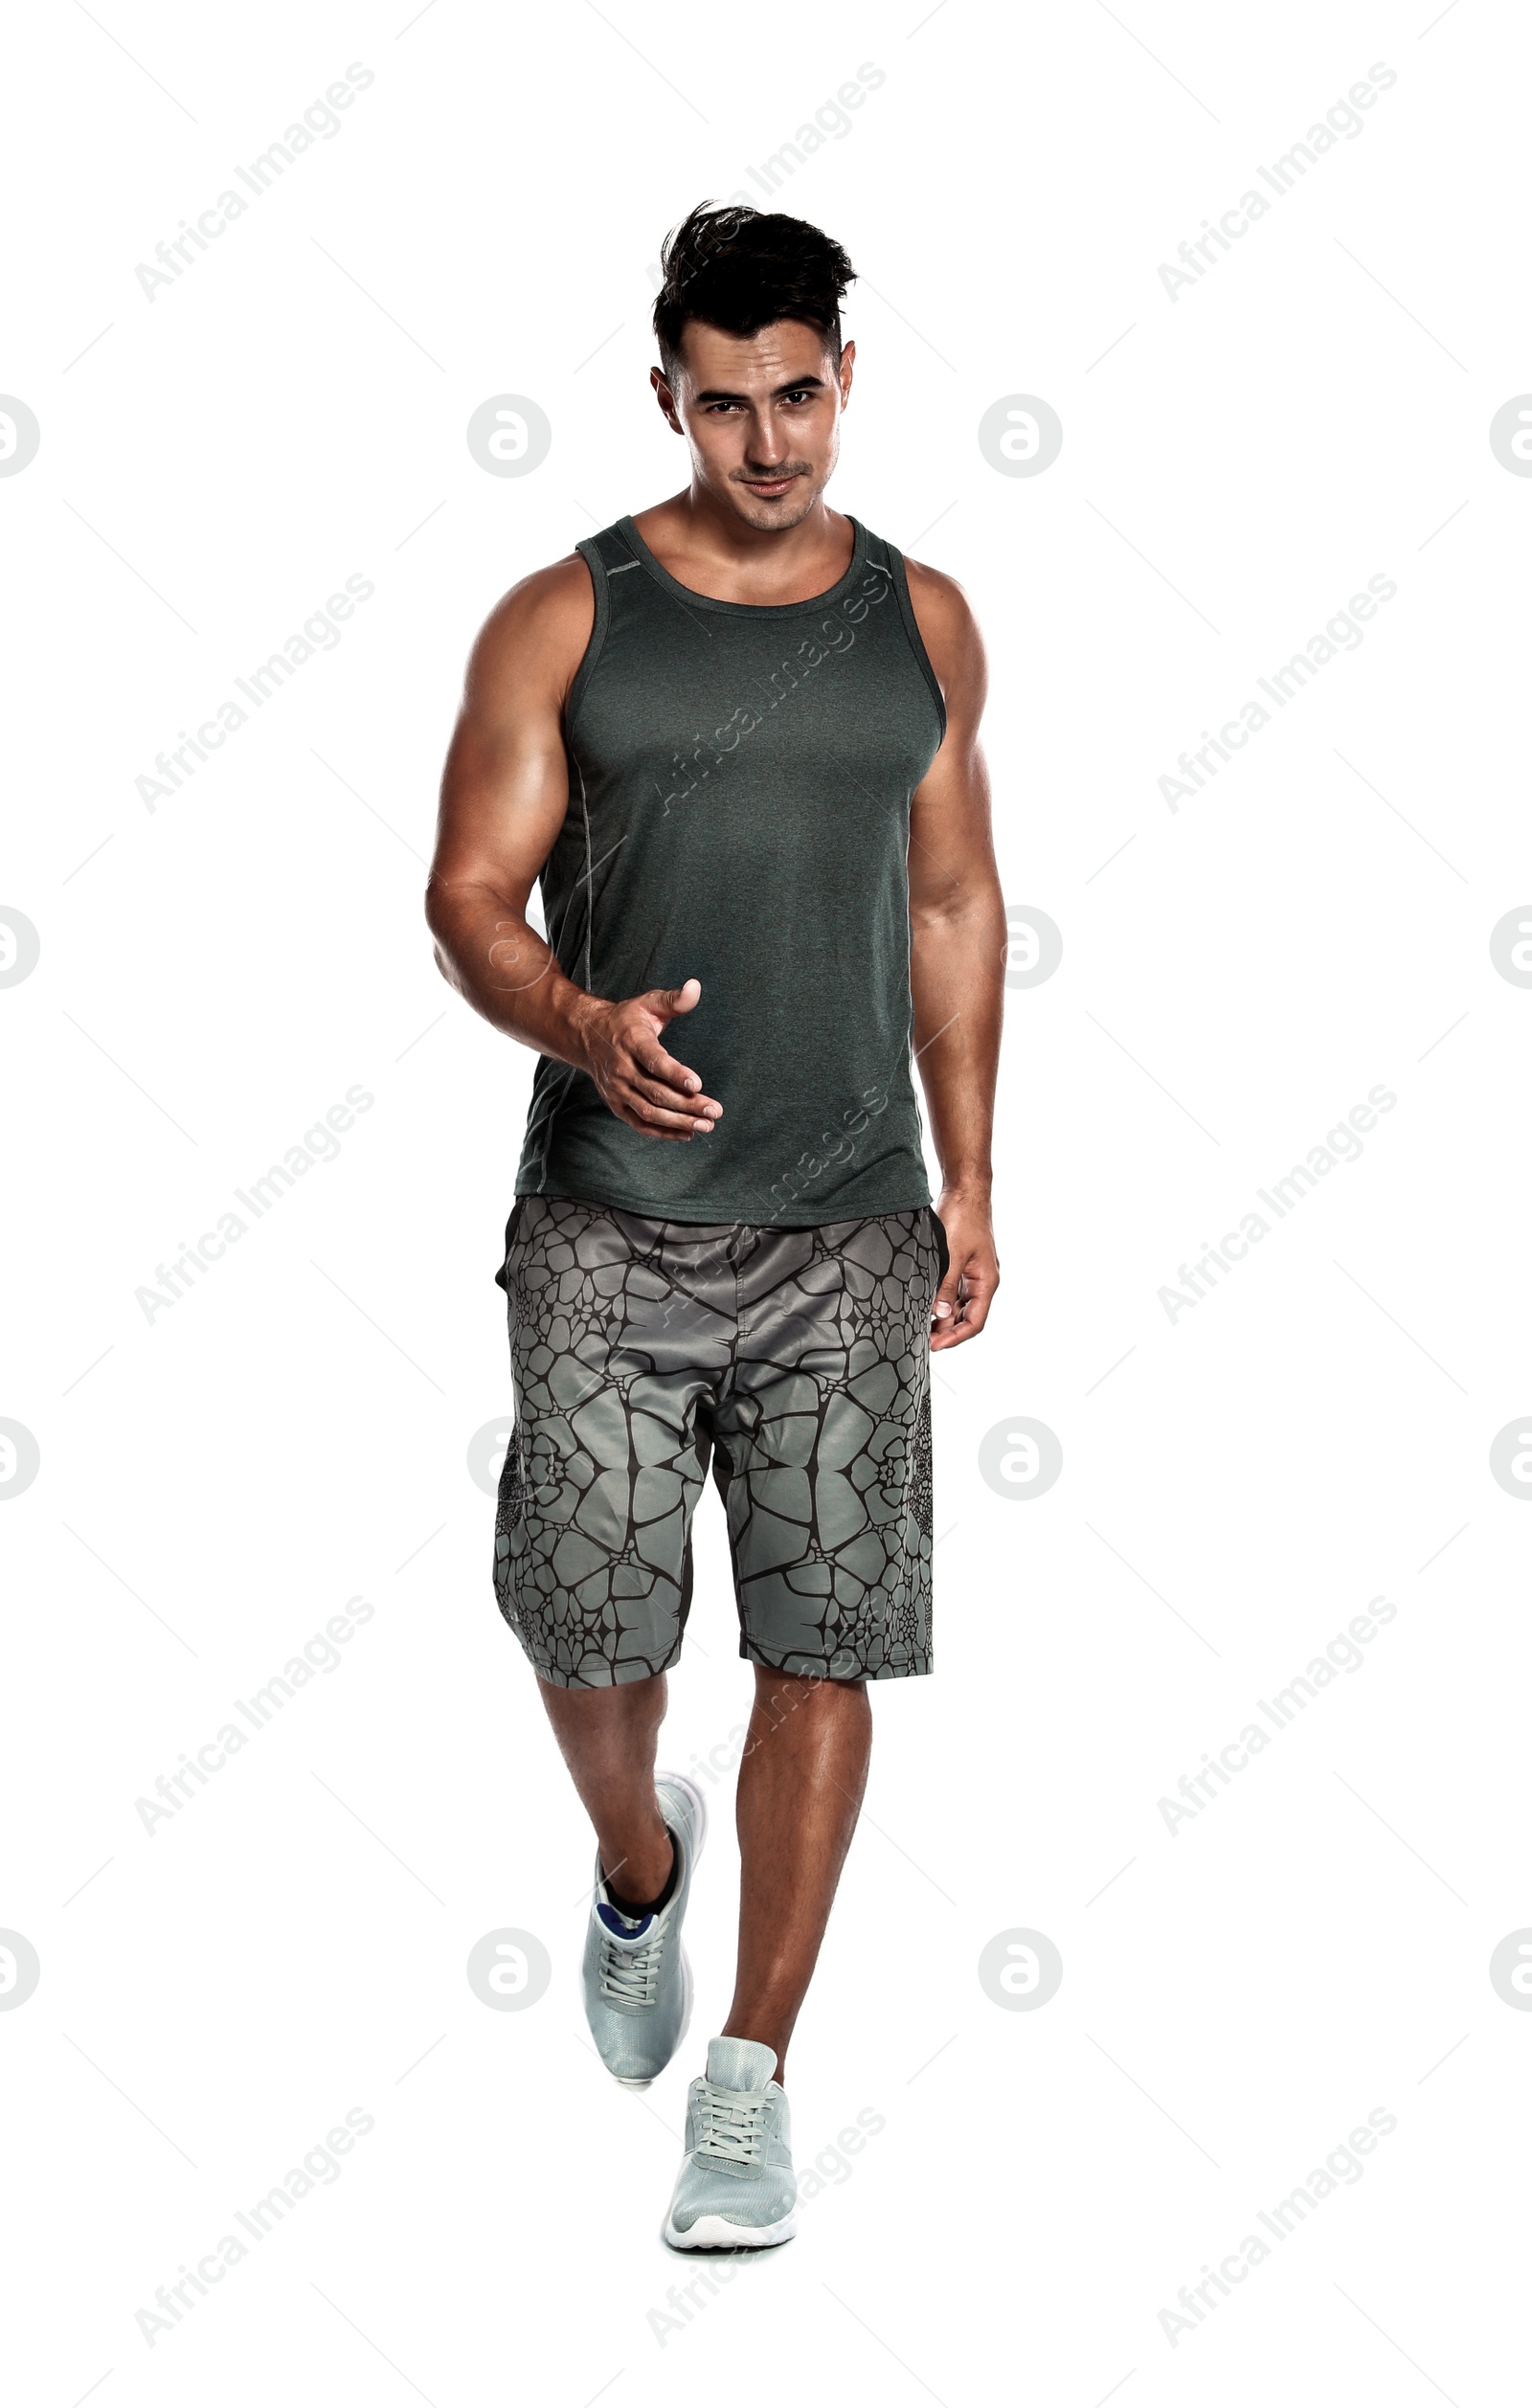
(944, 1303)
(669, 1002)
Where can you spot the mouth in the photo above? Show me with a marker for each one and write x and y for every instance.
(768, 489)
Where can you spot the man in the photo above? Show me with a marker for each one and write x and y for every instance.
(735, 739)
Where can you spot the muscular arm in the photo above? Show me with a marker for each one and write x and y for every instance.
(956, 957)
(505, 791)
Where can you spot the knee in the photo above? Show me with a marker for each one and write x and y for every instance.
(811, 1692)
(627, 1705)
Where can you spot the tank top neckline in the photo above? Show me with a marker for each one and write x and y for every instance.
(689, 593)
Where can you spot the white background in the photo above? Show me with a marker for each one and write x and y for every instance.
(218, 1480)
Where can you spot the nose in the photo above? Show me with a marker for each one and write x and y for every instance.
(768, 448)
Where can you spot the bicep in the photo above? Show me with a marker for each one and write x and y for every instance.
(504, 795)
(950, 842)
(504, 789)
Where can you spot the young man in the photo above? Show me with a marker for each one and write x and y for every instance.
(735, 740)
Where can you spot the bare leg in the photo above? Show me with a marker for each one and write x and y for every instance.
(801, 1783)
(607, 1739)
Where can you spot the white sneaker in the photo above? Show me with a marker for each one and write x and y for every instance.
(736, 2189)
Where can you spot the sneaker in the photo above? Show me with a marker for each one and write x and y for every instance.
(638, 1982)
(736, 2189)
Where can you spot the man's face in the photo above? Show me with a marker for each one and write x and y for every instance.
(761, 415)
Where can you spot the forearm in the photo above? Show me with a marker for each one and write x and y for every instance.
(956, 985)
(489, 951)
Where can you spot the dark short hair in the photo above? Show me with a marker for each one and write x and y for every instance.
(740, 269)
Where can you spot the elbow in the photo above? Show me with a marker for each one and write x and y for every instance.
(437, 920)
(442, 956)
(436, 904)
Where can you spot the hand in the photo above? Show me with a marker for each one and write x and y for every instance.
(635, 1077)
(962, 1303)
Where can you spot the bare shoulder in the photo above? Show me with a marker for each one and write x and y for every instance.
(948, 630)
(536, 635)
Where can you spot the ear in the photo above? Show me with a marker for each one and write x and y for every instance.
(667, 400)
(847, 363)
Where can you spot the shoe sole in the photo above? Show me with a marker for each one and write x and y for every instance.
(716, 2232)
(699, 1833)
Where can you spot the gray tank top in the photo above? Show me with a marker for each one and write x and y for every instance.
(740, 777)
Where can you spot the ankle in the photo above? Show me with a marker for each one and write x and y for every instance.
(760, 2028)
(637, 1880)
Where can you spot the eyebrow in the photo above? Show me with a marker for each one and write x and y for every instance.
(791, 383)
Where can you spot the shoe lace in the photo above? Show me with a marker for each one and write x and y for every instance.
(630, 1974)
(734, 2124)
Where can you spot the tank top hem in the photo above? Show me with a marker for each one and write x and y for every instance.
(726, 1212)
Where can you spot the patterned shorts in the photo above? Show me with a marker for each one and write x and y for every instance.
(796, 1360)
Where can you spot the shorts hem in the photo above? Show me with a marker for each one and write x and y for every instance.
(617, 1675)
(794, 1665)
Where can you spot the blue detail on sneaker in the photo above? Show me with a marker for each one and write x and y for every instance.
(626, 1928)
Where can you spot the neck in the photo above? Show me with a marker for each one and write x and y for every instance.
(704, 523)
(708, 546)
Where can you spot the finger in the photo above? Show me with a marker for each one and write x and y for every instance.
(658, 1121)
(655, 1092)
(656, 1064)
(944, 1303)
(972, 1310)
(957, 1332)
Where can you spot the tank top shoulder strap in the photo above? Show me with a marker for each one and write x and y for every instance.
(606, 555)
(886, 557)
(607, 552)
